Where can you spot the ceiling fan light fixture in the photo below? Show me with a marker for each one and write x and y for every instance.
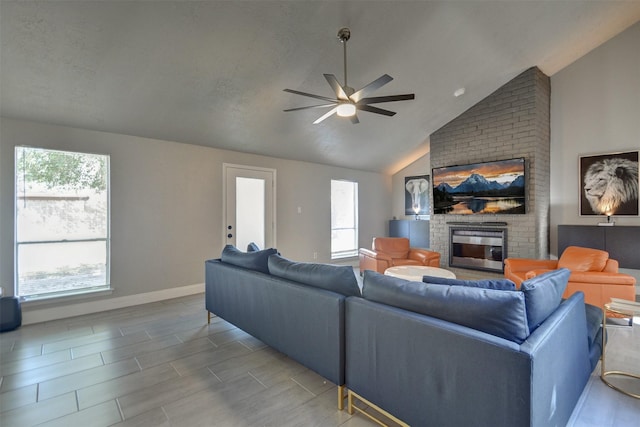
(347, 100)
(346, 109)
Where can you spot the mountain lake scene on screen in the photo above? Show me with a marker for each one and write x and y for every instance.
(480, 188)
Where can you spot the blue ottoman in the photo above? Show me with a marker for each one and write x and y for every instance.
(10, 313)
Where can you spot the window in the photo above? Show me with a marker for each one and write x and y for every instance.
(62, 222)
(344, 219)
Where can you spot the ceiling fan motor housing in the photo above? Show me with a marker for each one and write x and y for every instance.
(344, 34)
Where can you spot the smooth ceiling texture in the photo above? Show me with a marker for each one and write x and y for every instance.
(213, 72)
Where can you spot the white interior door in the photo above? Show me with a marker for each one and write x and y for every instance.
(249, 206)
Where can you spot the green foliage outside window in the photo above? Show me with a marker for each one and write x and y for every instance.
(64, 170)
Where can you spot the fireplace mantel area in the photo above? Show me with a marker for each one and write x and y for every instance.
(512, 122)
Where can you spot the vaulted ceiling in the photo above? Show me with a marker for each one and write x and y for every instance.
(213, 72)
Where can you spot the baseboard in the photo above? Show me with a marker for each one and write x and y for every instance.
(62, 311)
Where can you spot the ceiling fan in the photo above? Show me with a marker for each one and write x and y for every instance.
(347, 100)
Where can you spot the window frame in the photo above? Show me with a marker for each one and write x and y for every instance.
(353, 252)
(107, 239)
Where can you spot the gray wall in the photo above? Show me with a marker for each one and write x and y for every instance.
(594, 109)
(166, 204)
(511, 122)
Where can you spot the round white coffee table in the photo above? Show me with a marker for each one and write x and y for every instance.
(415, 272)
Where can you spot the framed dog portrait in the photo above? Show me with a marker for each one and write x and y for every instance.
(609, 184)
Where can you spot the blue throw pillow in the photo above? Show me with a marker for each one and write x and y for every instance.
(499, 284)
(543, 295)
(499, 313)
(252, 247)
(251, 260)
(335, 278)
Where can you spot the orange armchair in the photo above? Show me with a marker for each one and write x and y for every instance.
(592, 272)
(387, 252)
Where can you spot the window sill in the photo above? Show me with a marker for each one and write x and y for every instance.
(71, 296)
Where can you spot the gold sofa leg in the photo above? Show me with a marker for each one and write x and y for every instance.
(341, 397)
(351, 407)
(208, 317)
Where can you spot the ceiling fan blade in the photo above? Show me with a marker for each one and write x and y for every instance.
(327, 114)
(297, 92)
(376, 110)
(310, 106)
(354, 119)
(335, 85)
(376, 84)
(390, 98)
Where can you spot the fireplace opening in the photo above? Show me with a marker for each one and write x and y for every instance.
(478, 249)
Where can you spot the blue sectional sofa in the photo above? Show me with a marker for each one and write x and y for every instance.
(458, 353)
(446, 355)
(296, 308)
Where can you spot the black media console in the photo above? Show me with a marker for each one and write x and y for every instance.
(622, 242)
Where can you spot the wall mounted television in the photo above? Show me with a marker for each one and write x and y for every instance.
(480, 188)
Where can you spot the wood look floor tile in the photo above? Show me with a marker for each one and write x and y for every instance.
(166, 392)
(321, 411)
(313, 382)
(277, 372)
(47, 335)
(20, 353)
(273, 400)
(20, 365)
(102, 415)
(139, 348)
(153, 418)
(228, 370)
(175, 352)
(227, 336)
(87, 378)
(40, 412)
(79, 341)
(200, 374)
(45, 373)
(210, 404)
(186, 365)
(18, 397)
(109, 344)
(121, 386)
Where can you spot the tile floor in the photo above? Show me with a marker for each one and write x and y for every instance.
(160, 364)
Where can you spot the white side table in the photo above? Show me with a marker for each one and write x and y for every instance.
(415, 272)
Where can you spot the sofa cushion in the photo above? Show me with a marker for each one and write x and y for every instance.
(499, 313)
(576, 258)
(499, 284)
(257, 260)
(335, 278)
(543, 294)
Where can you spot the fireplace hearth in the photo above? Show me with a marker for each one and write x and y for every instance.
(478, 248)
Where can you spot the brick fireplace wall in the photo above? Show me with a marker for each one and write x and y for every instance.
(511, 122)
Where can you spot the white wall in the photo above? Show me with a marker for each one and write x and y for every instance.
(166, 206)
(595, 109)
